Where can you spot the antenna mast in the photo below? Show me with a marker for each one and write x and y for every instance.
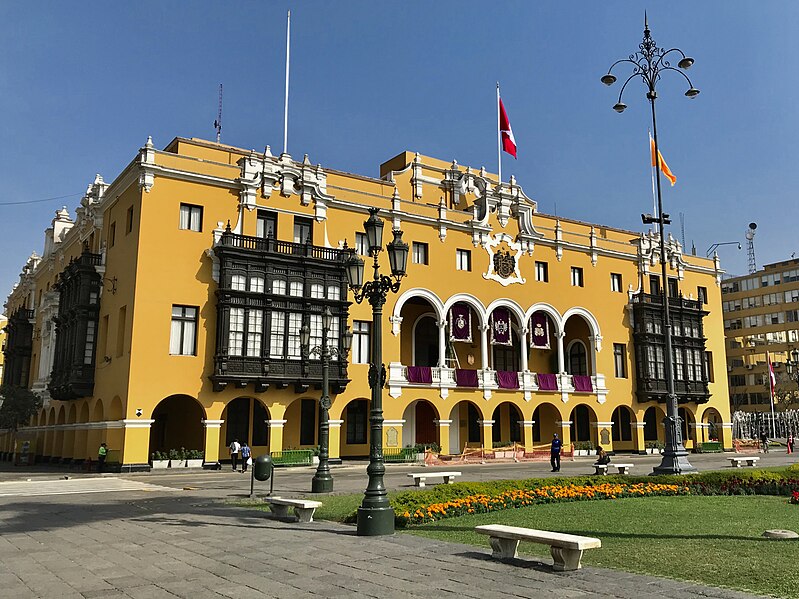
(218, 121)
(682, 229)
(750, 247)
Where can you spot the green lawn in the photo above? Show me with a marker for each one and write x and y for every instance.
(712, 540)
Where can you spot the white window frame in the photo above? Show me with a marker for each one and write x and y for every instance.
(421, 253)
(616, 283)
(191, 217)
(463, 260)
(183, 331)
(361, 341)
(577, 277)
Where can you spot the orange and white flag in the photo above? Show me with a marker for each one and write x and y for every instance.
(664, 168)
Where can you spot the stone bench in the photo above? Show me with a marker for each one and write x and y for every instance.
(303, 508)
(567, 550)
(419, 478)
(741, 461)
(621, 468)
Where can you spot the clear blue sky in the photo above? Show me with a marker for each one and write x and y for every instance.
(82, 85)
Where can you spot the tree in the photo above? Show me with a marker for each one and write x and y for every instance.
(18, 407)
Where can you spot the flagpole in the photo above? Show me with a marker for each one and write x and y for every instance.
(652, 171)
(499, 143)
(771, 384)
(286, 104)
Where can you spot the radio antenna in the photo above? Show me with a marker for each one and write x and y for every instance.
(218, 121)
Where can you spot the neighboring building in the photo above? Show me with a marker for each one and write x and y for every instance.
(167, 314)
(3, 324)
(761, 314)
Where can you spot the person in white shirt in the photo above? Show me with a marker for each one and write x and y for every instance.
(234, 453)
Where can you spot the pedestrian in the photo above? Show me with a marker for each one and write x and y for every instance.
(764, 441)
(554, 453)
(790, 442)
(246, 460)
(234, 448)
(602, 456)
(101, 455)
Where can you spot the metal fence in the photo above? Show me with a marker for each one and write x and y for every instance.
(292, 457)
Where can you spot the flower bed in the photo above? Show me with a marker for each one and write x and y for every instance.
(481, 503)
(795, 497)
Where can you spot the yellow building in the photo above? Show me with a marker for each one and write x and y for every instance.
(166, 314)
(759, 318)
(3, 323)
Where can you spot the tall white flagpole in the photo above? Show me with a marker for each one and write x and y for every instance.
(286, 104)
(499, 143)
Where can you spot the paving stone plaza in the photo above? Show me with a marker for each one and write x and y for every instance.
(176, 535)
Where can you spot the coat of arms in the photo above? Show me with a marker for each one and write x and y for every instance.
(504, 264)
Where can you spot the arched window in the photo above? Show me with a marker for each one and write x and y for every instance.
(578, 359)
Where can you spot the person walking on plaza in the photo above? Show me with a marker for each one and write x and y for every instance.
(101, 455)
(554, 453)
(235, 448)
(764, 441)
(790, 442)
(245, 456)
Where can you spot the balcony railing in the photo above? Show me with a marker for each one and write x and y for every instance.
(275, 246)
(489, 381)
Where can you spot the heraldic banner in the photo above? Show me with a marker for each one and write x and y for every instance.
(500, 327)
(460, 323)
(539, 331)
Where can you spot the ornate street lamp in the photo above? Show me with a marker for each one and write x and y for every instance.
(648, 64)
(322, 481)
(376, 516)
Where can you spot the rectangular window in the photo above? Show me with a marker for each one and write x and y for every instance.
(295, 288)
(654, 284)
(361, 342)
(277, 335)
(191, 217)
(279, 287)
(112, 234)
(293, 350)
(88, 350)
(463, 260)
(361, 245)
(673, 289)
(255, 328)
(620, 360)
(317, 291)
(257, 284)
(183, 334)
(577, 276)
(303, 229)
(701, 295)
(266, 225)
(121, 330)
(236, 332)
(709, 367)
(238, 283)
(333, 292)
(542, 272)
(615, 282)
(129, 221)
(356, 422)
(308, 422)
(420, 253)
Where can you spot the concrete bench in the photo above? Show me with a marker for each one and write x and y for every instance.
(303, 508)
(741, 461)
(567, 550)
(621, 468)
(419, 478)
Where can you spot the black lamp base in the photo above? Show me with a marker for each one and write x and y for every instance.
(374, 522)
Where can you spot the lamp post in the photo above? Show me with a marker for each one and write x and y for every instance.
(648, 64)
(322, 481)
(375, 516)
(715, 246)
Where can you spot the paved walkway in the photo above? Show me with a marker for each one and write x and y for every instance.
(157, 543)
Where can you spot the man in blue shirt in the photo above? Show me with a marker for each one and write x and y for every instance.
(554, 453)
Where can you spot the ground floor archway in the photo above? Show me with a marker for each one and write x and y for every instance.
(177, 423)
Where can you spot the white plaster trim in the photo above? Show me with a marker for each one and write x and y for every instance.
(603, 424)
(393, 422)
(136, 423)
(335, 423)
(212, 423)
(442, 422)
(486, 422)
(564, 423)
(276, 423)
(527, 422)
(638, 424)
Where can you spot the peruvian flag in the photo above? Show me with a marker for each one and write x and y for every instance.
(508, 141)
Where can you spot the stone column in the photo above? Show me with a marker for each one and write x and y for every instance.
(443, 435)
(484, 346)
(638, 436)
(561, 335)
(488, 427)
(213, 430)
(529, 444)
(604, 435)
(392, 434)
(564, 433)
(726, 436)
(334, 441)
(523, 347)
(275, 435)
(442, 343)
(136, 448)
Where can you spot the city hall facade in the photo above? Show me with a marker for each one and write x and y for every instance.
(166, 313)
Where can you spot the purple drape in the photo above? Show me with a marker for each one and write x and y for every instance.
(539, 331)
(460, 323)
(582, 383)
(547, 382)
(500, 327)
(508, 379)
(465, 378)
(420, 374)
